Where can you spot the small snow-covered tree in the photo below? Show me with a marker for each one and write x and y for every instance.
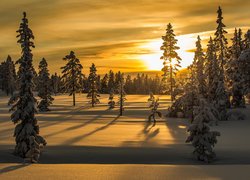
(171, 59)
(111, 102)
(154, 111)
(200, 135)
(44, 87)
(93, 91)
(122, 95)
(72, 75)
(26, 133)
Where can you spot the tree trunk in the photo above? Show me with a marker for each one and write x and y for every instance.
(92, 98)
(74, 99)
(171, 83)
(121, 103)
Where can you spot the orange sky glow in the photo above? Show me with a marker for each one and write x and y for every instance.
(121, 35)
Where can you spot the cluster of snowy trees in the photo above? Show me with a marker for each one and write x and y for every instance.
(218, 79)
(220, 75)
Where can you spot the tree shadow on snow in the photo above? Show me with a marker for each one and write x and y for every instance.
(78, 138)
(12, 168)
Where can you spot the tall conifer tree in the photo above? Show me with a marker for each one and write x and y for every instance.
(27, 130)
(72, 75)
(171, 59)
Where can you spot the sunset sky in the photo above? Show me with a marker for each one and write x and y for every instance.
(114, 34)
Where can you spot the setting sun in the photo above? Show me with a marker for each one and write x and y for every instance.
(152, 60)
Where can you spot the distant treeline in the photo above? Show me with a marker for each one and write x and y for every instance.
(141, 83)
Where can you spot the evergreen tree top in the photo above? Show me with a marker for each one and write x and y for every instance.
(169, 45)
(43, 63)
(25, 34)
(93, 68)
(220, 31)
(199, 51)
(71, 56)
(9, 59)
(211, 47)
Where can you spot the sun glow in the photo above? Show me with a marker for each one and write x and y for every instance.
(152, 60)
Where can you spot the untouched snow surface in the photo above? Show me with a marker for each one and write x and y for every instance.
(95, 143)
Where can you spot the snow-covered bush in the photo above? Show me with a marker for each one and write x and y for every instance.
(154, 110)
(200, 135)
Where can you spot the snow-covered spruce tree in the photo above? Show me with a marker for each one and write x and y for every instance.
(111, 102)
(221, 50)
(93, 91)
(216, 88)
(72, 75)
(44, 87)
(200, 135)
(122, 95)
(199, 61)
(171, 59)
(233, 72)
(104, 84)
(154, 110)
(10, 76)
(26, 133)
